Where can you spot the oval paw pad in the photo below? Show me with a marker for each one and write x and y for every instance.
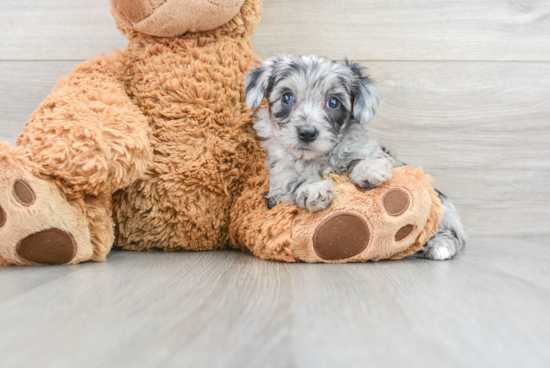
(2, 216)
(404, 232)
(23, 193)
(396, 201)
(52, 246)
(341, 236)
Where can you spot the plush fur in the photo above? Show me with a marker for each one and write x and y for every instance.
(152, 147)
(155, 138)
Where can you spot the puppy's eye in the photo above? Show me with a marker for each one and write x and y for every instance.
(333, 103)
(288, 98)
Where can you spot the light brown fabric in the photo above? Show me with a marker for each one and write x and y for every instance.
(434, 217)
(170, 18)
(49, 210)
(242, 25)
(3, 262)
(134, 11)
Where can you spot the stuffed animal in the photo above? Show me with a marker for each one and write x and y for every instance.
(152, 148)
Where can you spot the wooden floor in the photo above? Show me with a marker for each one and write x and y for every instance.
(489, 307)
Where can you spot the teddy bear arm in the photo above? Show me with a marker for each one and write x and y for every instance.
(88, 136)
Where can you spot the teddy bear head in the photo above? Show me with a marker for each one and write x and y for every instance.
(172, 18)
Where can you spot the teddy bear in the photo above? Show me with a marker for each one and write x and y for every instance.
(152, 148)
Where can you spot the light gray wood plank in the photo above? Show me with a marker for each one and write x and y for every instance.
(498, 202)
(23, 86)
(229, 309)
(506, 255)
(361, 30)
(57, 29)
(465, 115)
(407, 30)
(15, 283)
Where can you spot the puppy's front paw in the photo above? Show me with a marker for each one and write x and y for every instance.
(315, 196)
(271, 202)
(370, 174)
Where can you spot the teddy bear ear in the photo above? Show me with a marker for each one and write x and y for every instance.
(170, 18)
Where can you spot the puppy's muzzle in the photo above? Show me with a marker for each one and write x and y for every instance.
(307, 135)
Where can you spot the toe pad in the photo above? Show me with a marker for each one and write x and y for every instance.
(52, 246)
(2, 216)
(404, 232)
(396, 201)
(23, 193)
(341, 236)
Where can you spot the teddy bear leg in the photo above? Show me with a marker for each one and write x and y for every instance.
(392, 221)
(37, 224)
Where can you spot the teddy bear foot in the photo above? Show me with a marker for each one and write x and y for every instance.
(391, 221)
(363, 225)
(37, 225)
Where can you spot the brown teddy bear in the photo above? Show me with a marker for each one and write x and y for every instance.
(152, 148)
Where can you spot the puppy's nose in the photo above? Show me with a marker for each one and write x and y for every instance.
(307, 134)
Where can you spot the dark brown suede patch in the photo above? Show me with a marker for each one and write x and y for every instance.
(396, 201)
(404, 232)
(23, 193)
(341, 236)
(3, 216)
(52, 246)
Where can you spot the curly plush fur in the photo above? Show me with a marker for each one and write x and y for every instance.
(156, 138)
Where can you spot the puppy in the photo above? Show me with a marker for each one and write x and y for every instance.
(315, 125)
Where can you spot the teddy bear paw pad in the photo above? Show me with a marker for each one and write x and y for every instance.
(2, 216)
(396, 201)
(341, 236)
(23, 193)
(404, 232)
(37, 224)
(52, 246)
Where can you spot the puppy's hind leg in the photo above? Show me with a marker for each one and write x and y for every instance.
(450, 237)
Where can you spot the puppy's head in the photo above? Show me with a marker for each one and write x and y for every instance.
(311, 101)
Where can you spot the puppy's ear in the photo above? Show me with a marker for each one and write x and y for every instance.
(365, 96)
(260, 80)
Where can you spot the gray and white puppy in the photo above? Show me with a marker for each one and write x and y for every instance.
(316, 125)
